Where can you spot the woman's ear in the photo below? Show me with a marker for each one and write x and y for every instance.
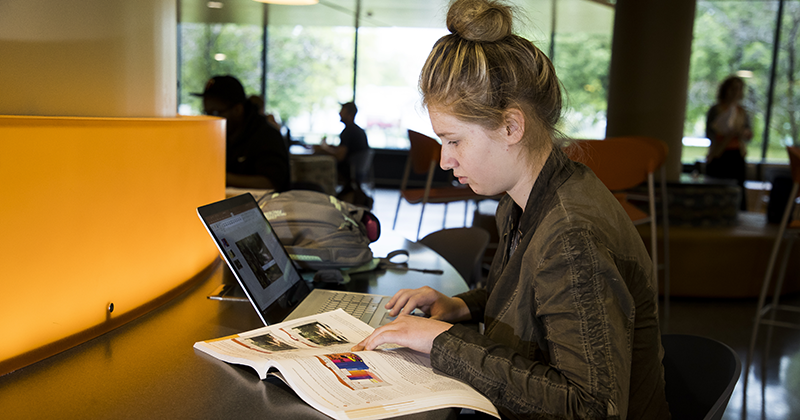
(514, 126)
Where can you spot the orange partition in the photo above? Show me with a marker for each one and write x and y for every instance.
(99, 211)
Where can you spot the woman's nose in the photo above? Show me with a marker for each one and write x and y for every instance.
(446, 162)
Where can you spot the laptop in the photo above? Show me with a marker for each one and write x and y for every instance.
(261, 265)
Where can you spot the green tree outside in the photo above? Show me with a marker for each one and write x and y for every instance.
(734, 36)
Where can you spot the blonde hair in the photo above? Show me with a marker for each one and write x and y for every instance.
(482, 69)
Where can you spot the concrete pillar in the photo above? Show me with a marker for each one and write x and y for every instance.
(649, 73)
(99, 58)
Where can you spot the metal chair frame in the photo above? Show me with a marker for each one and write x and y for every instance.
(423, 158)
(789, 231)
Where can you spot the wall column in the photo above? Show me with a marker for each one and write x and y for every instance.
(88, 58)
(649, 73)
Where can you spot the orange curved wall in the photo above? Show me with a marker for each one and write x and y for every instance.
(97, 211)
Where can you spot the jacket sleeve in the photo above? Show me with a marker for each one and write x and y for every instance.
(476, 302)
(579, 366)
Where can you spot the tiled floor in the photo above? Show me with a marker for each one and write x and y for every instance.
(727, 320)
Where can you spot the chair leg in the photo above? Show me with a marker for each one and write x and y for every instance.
(775, 305)
(397, 211)
(651, 198)
(760, 309)
(421, 214)
(665, 246)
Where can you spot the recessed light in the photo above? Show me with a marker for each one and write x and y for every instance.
(214, 5)
(220, 57)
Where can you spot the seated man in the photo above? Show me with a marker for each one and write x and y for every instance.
(256, 154)
(352, 141)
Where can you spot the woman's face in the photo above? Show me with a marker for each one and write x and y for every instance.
(477, 156)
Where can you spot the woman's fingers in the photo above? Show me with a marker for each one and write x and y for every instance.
(408, 331)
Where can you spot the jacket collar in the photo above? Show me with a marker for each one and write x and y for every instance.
(557, 169)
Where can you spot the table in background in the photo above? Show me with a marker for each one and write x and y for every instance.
(149, 369)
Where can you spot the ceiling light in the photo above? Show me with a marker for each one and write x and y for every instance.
(214, 5)
(745, 74)
(290, 2)
(220, 57)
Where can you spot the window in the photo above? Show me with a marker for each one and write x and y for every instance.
(211, 44)
(737, 37)
(311, 51)
(390, 60)
(581, 54)
(309, 73)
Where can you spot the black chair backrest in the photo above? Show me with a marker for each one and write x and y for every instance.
(700, 375)
(463, 248)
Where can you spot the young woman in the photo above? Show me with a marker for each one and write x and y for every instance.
(570, 309)
(728, 128)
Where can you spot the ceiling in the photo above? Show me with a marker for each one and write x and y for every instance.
(572, 15)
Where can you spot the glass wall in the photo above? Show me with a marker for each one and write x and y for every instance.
(390, 59)
(737, 37)
(218, 38)
(581, 53)
(311, 51)
(309, 73)
(785, 122)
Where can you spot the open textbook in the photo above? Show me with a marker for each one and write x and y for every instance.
(312, 355)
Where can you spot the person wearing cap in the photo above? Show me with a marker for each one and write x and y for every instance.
(256, 154)
(352, 140)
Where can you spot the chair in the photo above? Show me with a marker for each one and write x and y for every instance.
(361, 169)
(362, 180)
(622, 163)
(423, 158)
(700, 375)
(788, 230)
(463, 248)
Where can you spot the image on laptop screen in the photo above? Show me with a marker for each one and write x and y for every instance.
(255, 256)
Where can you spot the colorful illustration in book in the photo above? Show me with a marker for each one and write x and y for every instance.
(317, 334)
(269, 342)
(351, 370)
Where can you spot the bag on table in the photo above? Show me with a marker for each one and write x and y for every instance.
(319, 231)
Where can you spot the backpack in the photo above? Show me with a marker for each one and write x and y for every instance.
(320, 231)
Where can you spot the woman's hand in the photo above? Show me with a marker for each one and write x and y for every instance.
(433, 303)
(414, 332)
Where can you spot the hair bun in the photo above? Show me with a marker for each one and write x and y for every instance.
(479, 20)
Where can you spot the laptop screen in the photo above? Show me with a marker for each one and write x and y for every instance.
(255, 256)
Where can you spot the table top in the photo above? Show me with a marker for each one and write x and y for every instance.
(149, 369)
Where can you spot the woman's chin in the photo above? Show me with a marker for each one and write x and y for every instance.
(476, 189)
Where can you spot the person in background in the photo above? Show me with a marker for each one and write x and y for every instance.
(352, 140)
(256, 154)
(258, 101)
(570, 308)
(728, 128)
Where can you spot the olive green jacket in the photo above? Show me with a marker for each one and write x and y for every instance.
(571, 317)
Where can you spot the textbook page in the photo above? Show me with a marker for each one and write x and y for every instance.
(312, 355)
(377, 384)
(330, 332)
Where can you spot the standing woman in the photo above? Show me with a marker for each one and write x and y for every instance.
(570, 309)
(728, 128)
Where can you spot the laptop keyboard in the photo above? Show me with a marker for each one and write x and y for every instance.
(360, 306)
